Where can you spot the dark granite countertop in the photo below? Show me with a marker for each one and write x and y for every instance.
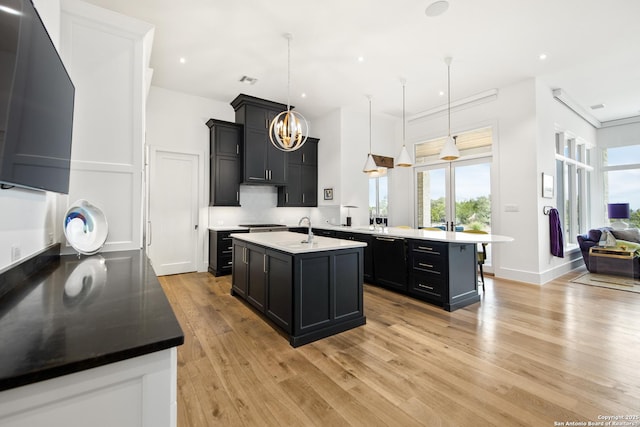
(81, 313)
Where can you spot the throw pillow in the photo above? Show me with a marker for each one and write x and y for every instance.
(630, 234)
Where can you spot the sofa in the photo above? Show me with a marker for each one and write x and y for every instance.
(616, 238)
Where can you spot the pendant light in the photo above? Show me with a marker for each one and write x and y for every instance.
(404, 160)
(449, 150)
(288, 130)
(370, 166)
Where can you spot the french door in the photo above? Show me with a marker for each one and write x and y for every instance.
(454, 195)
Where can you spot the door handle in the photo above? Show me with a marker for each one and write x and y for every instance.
(264, 263)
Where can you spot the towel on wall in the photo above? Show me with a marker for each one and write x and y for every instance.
(555, 233)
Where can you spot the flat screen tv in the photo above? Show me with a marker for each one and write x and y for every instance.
(36, 103)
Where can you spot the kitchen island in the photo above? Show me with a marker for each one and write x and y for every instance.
(439, 267)
(309, 290)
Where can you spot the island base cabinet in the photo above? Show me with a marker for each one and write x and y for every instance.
(309, 296)
(443, 273)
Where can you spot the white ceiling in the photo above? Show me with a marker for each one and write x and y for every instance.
(593, 49)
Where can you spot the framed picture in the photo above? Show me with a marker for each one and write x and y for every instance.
(328, 193)
(547, 186)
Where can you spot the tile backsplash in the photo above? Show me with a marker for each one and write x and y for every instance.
(258, 205)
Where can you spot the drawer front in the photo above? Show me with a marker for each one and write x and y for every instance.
(427, 285)
(434, 264)
(429, 248)
(225, 263)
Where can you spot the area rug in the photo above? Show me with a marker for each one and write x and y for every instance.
(606, 281)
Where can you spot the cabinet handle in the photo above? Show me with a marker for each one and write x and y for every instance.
(425, 248)
(386, 239)
(286, 197)
(269, 174)
(230, 263)
(264, 263)
(420, 285)
(422, 264)
(237, 149)
(302, 157)
(150, 235)
(302, 197)
(237, 196)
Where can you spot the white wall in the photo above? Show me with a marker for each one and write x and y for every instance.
(28, 217)
(524, 117)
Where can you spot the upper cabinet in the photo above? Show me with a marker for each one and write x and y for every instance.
(225, 143)
(263, 163)
(302, 185)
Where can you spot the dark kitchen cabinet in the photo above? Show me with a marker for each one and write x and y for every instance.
(443, 273)
(390, 261)
(220, 251)
(308, 295)
(225, 161)
(257, 279)
(240, 270)
(368, 275)
(262, 162)
(301, 189)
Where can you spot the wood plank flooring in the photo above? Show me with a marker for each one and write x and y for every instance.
(526, 355)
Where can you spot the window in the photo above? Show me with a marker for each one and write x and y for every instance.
(378, 198)
(573, 171)
(621, 170)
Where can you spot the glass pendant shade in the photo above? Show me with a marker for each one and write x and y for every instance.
(288, 131)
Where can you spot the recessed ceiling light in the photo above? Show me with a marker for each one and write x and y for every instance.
(441, 93)
(437, 8)
(360, 58)
(248, 80)
(542, 56)
(597, 106)
(303, 95)
(183, 60)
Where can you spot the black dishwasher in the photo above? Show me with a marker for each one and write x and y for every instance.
(390, 262)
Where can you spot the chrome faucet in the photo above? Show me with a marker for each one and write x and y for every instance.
(310, 233)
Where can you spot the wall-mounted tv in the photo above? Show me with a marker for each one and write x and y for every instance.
(36, 103)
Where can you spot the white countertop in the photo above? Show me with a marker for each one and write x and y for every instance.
(413, 233)
(287, 241)
(226, 227)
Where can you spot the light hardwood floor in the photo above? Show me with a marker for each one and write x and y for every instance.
(525, 355)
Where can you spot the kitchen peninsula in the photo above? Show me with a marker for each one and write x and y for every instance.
(311, 290)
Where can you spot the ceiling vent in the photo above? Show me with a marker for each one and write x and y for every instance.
(597, 106)
(248, 80)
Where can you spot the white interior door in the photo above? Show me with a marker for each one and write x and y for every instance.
(172, 234)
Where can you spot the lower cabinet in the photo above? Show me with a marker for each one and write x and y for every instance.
(443, 273)
(309, 295)
(368, 274)
(220, 251)
(390, 261)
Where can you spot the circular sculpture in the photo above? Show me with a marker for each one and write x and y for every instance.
(85, 227)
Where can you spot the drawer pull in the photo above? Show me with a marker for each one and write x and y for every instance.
(425, 248)
(420, 285)
(386, 239)
(422, 264)
(230, 263)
